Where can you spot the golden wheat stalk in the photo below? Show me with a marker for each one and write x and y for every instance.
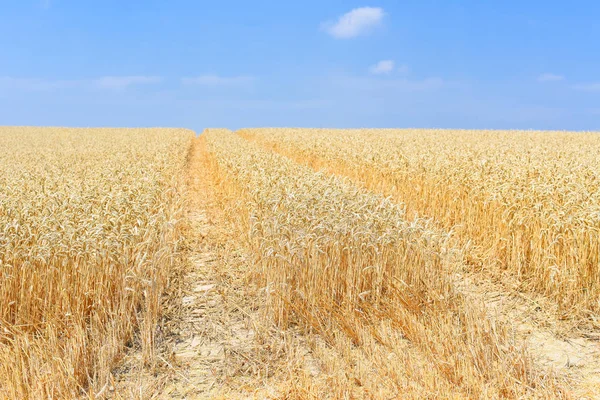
(89, 227)
(527, 204)
(339, 260)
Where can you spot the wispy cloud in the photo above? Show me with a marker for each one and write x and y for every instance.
(33, 84)
(122, 82)
(382, 67)
(548, 77)
(105, 82)
(357, 22)
(587, 87)
(216, 80)
(387, 67)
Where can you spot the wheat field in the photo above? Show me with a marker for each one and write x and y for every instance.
(89, 226)
(525, 204)
(309, 263)
(350, 265)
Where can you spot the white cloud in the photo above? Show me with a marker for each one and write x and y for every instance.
(388, 67)
(548, 77)
(382, 67)
(354, 23)
(122, 82)
(216, 80)
(588, 87)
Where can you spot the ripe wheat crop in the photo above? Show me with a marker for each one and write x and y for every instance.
(89, 226)
(338, 261)
(525, 205)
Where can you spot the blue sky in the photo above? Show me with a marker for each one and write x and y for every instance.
(196, 64)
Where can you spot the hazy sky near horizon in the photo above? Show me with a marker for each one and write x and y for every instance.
(196, 64)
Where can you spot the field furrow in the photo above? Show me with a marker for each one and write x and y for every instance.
(347, 264)
(370, 158)
(524, 205)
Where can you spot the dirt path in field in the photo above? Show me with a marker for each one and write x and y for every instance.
(219, 346)
(222, 347)
(554, 344)
(217, 343)
(572, 354)
(215, 347)
(219, 349)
